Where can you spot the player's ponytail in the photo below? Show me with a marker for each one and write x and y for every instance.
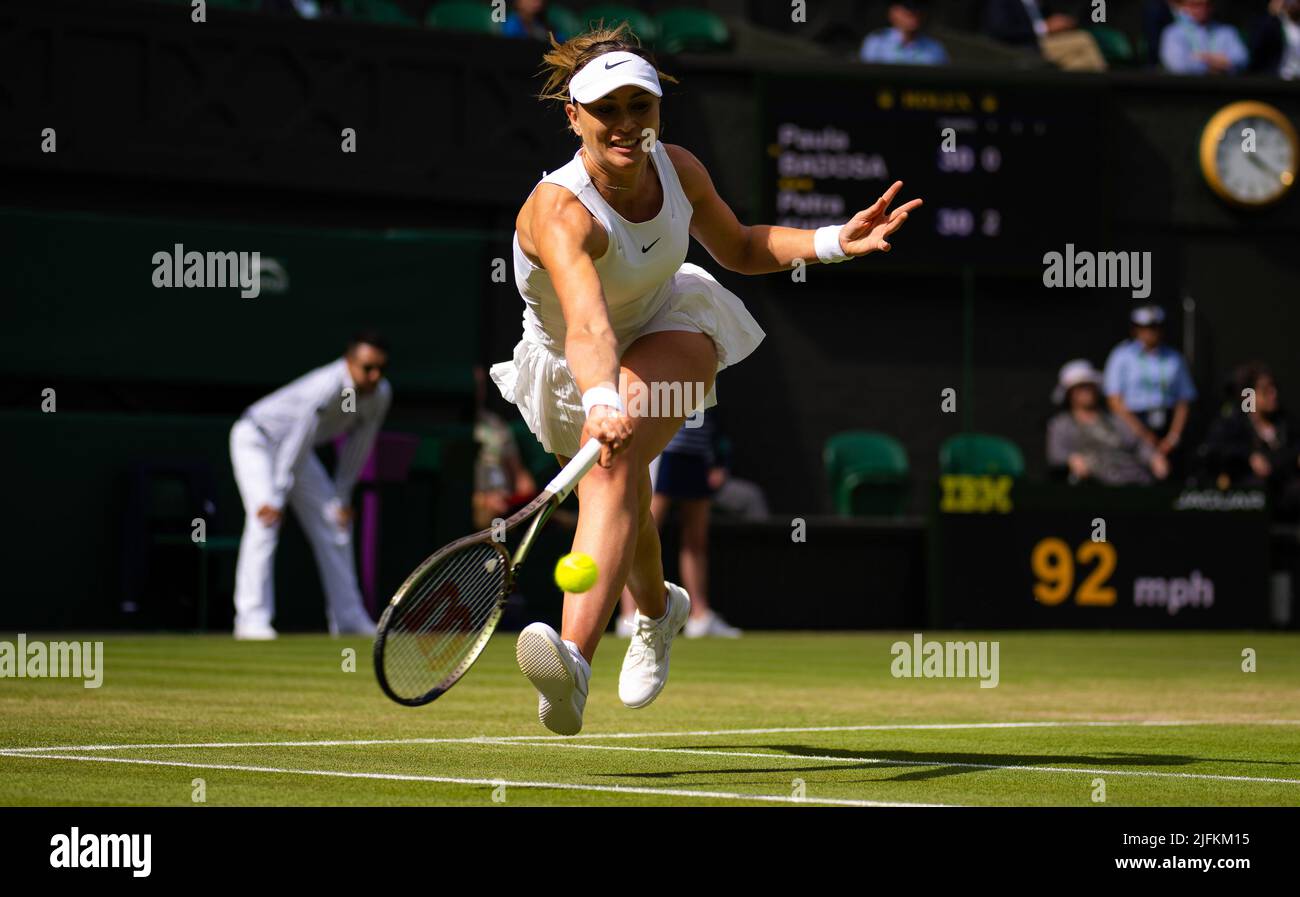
(564, 60)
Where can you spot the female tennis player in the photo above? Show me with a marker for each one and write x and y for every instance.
(613, 317)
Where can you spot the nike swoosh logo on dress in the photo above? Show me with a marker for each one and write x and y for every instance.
(645, 249)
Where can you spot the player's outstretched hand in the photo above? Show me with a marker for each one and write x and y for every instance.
(612, 427)
(868, 230)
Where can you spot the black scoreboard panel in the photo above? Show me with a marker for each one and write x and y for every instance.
(1031, 557)
(1008, 172)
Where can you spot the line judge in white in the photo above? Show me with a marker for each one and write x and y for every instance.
(271, 448)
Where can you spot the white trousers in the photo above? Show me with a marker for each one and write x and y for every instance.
(310, 498)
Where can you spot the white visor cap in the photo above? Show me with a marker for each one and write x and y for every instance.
(609, 72)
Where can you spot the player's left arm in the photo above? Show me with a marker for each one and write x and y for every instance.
(764, 248)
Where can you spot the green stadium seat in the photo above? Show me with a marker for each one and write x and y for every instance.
(692, 31)
(1114, 45)
(165, 497)
(868, 473)
(380, 12)
(462, 15)
(228, 545)
(981, 454)
(611, 14)
(565, 20)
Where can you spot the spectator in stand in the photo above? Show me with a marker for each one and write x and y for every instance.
(1148, 384)
(1089, 443)
(1022, 22)
(903, 42)
(530, 19)
(1255, 448)
(740, 499)
(502, 484)
(1049, 25)
(1275, 41)
(1195, 44)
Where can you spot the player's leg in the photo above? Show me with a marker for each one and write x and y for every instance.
(254, 571)
(611, 512)
(659, 507)
(312, 500)
(657, 622)
(645, 578)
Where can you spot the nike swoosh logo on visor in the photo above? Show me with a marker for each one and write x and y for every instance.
(609, 65)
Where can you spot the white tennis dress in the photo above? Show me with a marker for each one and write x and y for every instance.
(648, 288)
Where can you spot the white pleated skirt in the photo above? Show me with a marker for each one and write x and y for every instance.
(537, 380)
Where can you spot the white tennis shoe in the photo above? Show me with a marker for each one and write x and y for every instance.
(246, 633)
(559, 675)
(645, 667)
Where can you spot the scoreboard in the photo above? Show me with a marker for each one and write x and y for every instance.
(1010, 554)
(1007, 172)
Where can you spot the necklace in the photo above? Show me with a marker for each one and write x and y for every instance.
(596, 182)
(606, 186)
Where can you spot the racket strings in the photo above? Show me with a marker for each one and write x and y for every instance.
(452, 599)
(468, 575)
(442, 619)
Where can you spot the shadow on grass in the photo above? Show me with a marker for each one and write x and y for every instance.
(939, 764)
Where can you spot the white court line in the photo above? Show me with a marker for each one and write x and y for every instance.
(891, 727)
(887, 762)
(493, 739)
(477, 739)
(450, 780)
(571, 742)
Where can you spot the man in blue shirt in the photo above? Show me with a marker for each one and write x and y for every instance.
(1148, 384)
(1196, 45)
(903, 43)
(531, 19)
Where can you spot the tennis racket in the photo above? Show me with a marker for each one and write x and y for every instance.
(441, 618)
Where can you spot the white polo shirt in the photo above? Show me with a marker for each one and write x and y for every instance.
(314, 410)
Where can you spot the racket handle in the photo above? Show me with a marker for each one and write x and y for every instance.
(576, 469)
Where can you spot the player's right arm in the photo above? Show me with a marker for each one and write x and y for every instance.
(567, 239)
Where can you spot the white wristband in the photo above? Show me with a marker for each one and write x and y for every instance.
(826, 240)
(601, 395)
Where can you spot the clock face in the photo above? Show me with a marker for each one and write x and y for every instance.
(1262, 175)
(1249, 154)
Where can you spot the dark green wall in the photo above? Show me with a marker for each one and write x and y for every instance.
(81, 297)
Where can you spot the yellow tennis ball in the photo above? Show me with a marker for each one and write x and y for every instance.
(575, 572)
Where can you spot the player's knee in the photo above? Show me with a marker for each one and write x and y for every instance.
(619, 477)
(645, 495)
